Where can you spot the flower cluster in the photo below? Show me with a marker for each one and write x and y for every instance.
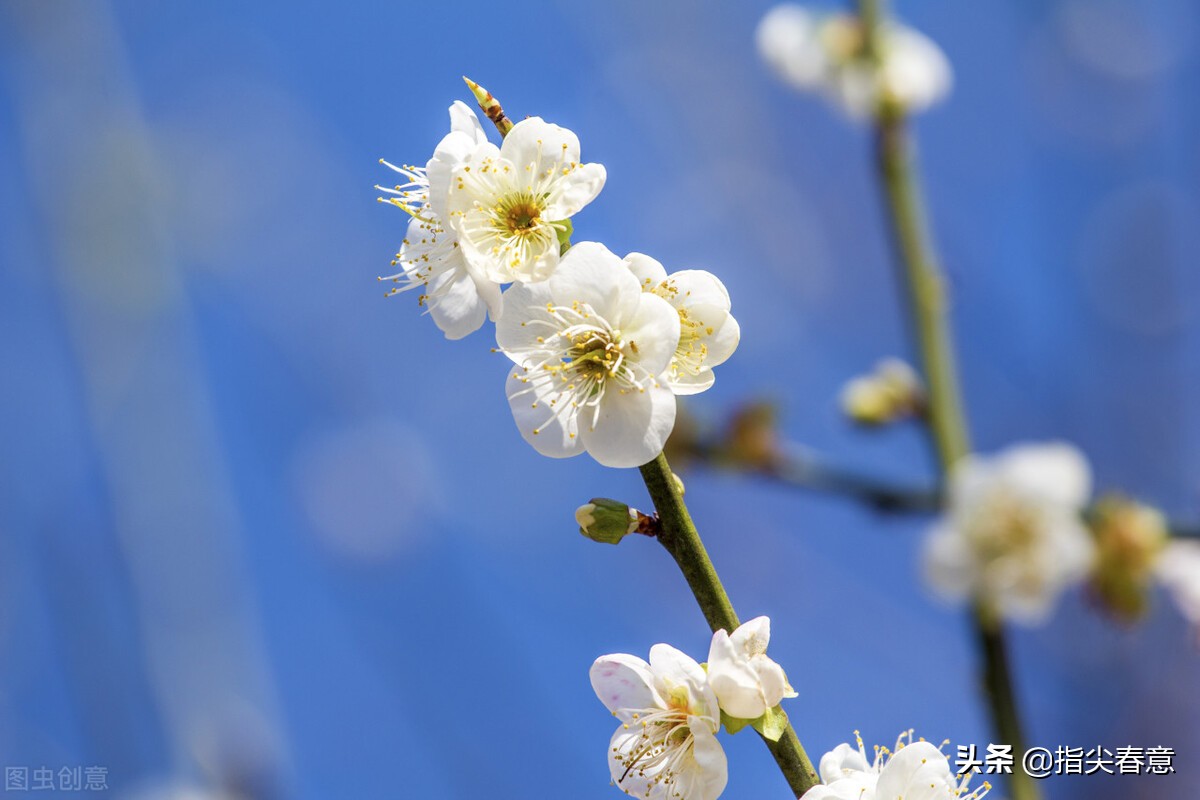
(601, 345)
(828, 53)
(913, 771)
(1012, 536)
(671, 708)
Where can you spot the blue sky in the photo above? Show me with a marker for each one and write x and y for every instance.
(257, 521)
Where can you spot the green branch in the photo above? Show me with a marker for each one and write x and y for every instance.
(926, 296)
(679, 536)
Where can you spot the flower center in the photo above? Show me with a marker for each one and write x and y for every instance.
(595, 354)
(656, 755)
(518, 213)
(1006, 526)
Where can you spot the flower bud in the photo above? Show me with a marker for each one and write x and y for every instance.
(490, 106)
(604, 520)
(892, 392)
(1129, 539)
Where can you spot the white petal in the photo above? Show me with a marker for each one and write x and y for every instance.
(719, 332)
(1058, 472)
(590, 273)
(651, 332)
(635, 782)
(551, 429)
(624, 682)
(948, 561)
(697, 287)
(788, 41)
(685, 383)
(707, 770)
(752, 637)
(914, 768)
(772, 679)
(841, 762)
(463, 120)
(520, 323)
(646, 269)
(735, 683)
(535, 146)
(632, 426)
(455, 304)
(453, 150)
(674, 669)
(1178, 567)
(573, 188)
(858, 787)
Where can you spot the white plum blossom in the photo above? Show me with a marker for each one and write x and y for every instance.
(508, 205)
(1178, 569)
(745, 680)
(591, 349)
(913, 771)
(430, 258)
(1012, 536)
(666, 745)
(824, 52)
(708, 333)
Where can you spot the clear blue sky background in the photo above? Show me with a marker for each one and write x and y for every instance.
(259, 525)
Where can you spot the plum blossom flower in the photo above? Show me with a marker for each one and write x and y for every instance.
(913, 771)
(590, 349)
(826, 53)
(666, 745)
(1012, 535)
(745, 680)
(508, 205)
(457, 296)
(708, 333)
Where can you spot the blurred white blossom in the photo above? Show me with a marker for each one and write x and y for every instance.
(591, 349)
(1012, 536)
(913, 771)
(430, 258)
(1178, 569)
(825, 52)
(708, 333)
(666, 745)
(509, 205)
(745, 680)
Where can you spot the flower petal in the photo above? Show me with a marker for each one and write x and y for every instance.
(772, 679)
(464, 120)
(573, 188)
(455, 149)
(651, 333)
(676, 668)
(698, 287)
(524, 320)
(706, 771)
(632, 426)
(590, 273)
(538, 147)
(948, 562)
(646, 269)
(841, 762)
(1058, 472)
(534, 398)
(624, 683)
(736, 685)
(455, 304)
(915, 767)
(752, 637)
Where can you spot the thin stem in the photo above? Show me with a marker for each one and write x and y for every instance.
(680, 538)
(947, 425)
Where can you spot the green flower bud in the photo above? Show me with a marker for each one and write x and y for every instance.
(604, 520)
